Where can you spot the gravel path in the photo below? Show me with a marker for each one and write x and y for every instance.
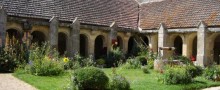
(212, 88)
(9, 82)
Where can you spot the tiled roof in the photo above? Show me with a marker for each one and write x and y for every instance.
(173, 13)
(98, 12)
(179, 13)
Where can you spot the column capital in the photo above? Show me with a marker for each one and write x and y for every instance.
(113, 25)
(2, 10)
(162, 28)
(201, 24)
(54, 20)
(75, 23)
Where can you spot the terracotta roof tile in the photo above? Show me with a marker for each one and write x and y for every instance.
(100, 12)
(179, 13)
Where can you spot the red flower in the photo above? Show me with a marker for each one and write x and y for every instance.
(193, 58)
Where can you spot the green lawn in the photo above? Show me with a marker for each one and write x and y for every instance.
(137, 79)
(45, 82)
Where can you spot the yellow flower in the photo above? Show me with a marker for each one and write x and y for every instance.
(65, 60)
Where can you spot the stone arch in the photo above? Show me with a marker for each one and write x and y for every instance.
(13, 25)
(13, 36)
(145, 40)
(212, 50)
(62, 43)
(83, 45)
(131, 46)
(100, 50)
(120, 42)
(38, 37)
(173, 37)
(189, 38)
(216, 50)
(178, 44)
(194, 47)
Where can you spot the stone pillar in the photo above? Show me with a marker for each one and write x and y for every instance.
(201, 45)
(125, 44)
(3, 22)
(185, 49)
(162, 40)
(153, 43)
(91, 46)
(75, 36)
(112, 36)
(27, 27)
(53, 33)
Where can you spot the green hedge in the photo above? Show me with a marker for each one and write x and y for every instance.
(90, 78)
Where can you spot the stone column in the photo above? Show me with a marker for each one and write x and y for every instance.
(53, 33)
(185, 49)
(162, 40)
(3, 22)
(153, 43)
(125, 44)
(201, 45)
(112, 36)
(91, 46)
(27, 27)
(75, 36)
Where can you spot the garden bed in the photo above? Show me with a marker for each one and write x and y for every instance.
(136, 77)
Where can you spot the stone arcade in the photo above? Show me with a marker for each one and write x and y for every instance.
(90, 26)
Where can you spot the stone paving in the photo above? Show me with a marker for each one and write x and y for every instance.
(212, 88)
(9, 82)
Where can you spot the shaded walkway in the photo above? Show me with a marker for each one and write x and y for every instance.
(9, 82)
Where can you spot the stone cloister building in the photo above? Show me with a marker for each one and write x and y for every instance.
(90, 27)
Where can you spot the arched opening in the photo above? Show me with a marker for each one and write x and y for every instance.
(100, 50)
(145, 40)
(83, 45)
(132, 47)
(13, 37)
(194, 47)
(62, 40)
(38, 37)
(216, 50)
(178, 44)
(120, 42)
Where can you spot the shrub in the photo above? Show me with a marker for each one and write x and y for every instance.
(212, 73)
(146, 56)
(177, 75)
(194, 70)
(142, 59)
(12, 56)
(150, 64)
(44, 61)
(132, 63)
(90, 78)
(119, 83)
(7, 63)
(100, 61)
(77, 62)
(183, 59)
(84, 62)
(145, 69)
(114, 57)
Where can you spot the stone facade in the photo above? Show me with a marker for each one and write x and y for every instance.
(87, 37)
